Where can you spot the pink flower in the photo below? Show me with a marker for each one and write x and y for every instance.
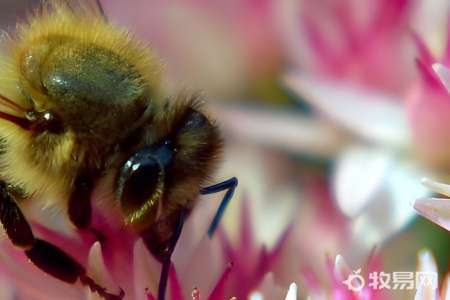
(252, 261)
(347, 67)
(121, 263)
(428, 104)
(346, 283)
(364, 42)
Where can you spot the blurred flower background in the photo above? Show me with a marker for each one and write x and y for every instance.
(333, 111)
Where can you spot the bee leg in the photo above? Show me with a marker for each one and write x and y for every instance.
(80, 209)
(166, 261)
(14, 223)
(44, 255)
(229, 185)
(54, 261)
(58, 264)
(100, 8)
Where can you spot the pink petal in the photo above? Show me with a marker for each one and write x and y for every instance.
(219, 290)
(150, 296)
(425, 55)
(341, 269)
(435, 210)
(202, 268)
(443, 74)
(7, 287)
(371, 118)
(339, 289)
(429, 76)
(374, 262)
(267, 289)
(31, 282)
(312, 282)
(97, 270)
(174, 284)
(289, 131)
(429, 111)
(146, 272)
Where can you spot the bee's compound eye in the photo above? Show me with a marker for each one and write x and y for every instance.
(139, 185)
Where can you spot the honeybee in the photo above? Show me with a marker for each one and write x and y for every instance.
(82, 108)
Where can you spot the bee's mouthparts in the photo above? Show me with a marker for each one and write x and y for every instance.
(23, 122)
(32, 120)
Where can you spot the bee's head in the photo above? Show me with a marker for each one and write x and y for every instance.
(163, 178)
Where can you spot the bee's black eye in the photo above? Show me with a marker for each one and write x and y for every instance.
(141, 182)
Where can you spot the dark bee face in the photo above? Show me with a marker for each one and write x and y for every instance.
(159, 181)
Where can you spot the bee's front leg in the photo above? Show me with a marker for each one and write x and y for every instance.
(44, 255)
(13, 221)
(79, 206)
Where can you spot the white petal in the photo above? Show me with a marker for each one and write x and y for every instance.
(436, 210)
(341, 269)
(388, 210)
(267, 177)
(445, 290)
(357, 176)
(256, 296)
(370, 114)
(440, 188)
(266, 289)
(430, 19)
(443, 73)
(97, 270)
(285, 130)
(292, 293)
(427, 263)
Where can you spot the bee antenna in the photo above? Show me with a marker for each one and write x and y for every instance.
(100, 8)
